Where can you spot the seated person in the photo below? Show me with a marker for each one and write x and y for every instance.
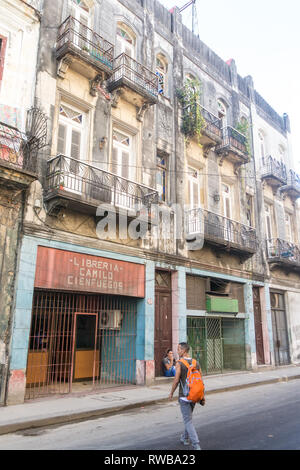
(168, 363)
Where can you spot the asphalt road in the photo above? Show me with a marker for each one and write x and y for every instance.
(261, 418)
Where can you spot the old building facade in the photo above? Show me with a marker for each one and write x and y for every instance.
(19, 34)
(155, 217)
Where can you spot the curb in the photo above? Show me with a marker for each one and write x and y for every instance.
(94, 414)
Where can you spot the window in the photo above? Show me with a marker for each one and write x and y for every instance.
(80, 11)
(282, 153)
(71, 131)
(125, 42)
(262, 147)
(193, 188)
(222, 113)
(122, 154)
(161, 72)
(161, 177)
(288, 227)
(3, 42)
(249, 210)
(268, 215)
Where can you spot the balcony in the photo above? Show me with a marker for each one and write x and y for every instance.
(233, 147)
(82, 187)
(221, 232)
(17, 162)
(212, 131)
(274, 173)
(138, 84)
(282, 253)
(292, 187)
(83, 50)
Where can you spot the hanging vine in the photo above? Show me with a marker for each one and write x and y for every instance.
(193, 122)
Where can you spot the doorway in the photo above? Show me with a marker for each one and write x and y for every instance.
(279, 327)
(85, 356)
(260, 356)
(163, 318)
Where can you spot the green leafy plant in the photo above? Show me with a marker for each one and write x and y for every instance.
(193, 122)
(243, 128)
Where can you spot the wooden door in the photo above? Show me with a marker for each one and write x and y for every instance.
(163, 319)
(279, 327)
(260, 356)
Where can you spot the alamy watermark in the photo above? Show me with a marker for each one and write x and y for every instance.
(134, 222)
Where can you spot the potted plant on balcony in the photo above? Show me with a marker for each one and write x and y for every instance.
(193, 122)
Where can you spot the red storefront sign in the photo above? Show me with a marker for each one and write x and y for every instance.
(67, 270)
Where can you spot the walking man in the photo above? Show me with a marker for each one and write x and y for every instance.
(186, 406)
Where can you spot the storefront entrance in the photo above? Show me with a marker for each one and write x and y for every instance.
(217, 343)
(279, 327)
(79, 342)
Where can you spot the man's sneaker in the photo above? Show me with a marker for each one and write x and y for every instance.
(184, 441)
(197, 447)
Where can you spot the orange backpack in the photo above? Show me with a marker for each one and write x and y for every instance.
(193, 389)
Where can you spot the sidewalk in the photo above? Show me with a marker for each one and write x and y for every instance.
(71, 408)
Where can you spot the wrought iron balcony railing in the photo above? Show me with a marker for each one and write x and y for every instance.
(71, 178)
(15, 149)
(127, 70)
(283, 252)
(235, 141)
(274, 169)
(221, 230)
(77, 36)
(292, 185)
(213, 124)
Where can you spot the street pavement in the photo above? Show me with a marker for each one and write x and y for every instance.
(75, 408)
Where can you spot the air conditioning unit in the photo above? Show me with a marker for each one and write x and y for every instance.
(110, 319)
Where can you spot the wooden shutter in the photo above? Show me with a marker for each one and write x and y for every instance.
(75, 144)
(115, 166)
(237, 292)
(196, 292)
(3, 42)
(61, 142)
(125, 164)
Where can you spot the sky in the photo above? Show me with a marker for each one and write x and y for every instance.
(263, 37)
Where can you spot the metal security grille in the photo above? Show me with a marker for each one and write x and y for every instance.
(217, 343)
(80, 342)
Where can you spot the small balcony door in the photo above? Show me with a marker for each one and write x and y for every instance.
(72, 143)
(194, 202)
(81, 13)
(122, 166)
(227, 212)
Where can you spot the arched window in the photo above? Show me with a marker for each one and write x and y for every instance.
(262, 147)
(125, 42)
(161, 72)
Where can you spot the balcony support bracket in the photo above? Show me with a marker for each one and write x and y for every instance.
(207, 148)
(141, 111)
(63, 66)
(95, 83)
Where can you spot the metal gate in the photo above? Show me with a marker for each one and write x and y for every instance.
(80, 342)
(279, 327)
(217, 343)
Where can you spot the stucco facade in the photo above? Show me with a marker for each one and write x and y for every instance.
(111, 88)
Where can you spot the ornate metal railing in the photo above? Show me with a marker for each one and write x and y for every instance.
(15, 149)
(71, 176)
(127, 68)
(85, 40)
(212, 123)
(232, 138)
(221, 230)
(275, 168)
(284, 251)
(293, 179)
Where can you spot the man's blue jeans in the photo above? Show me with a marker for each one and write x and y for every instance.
(171, 372)
(187, 415)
